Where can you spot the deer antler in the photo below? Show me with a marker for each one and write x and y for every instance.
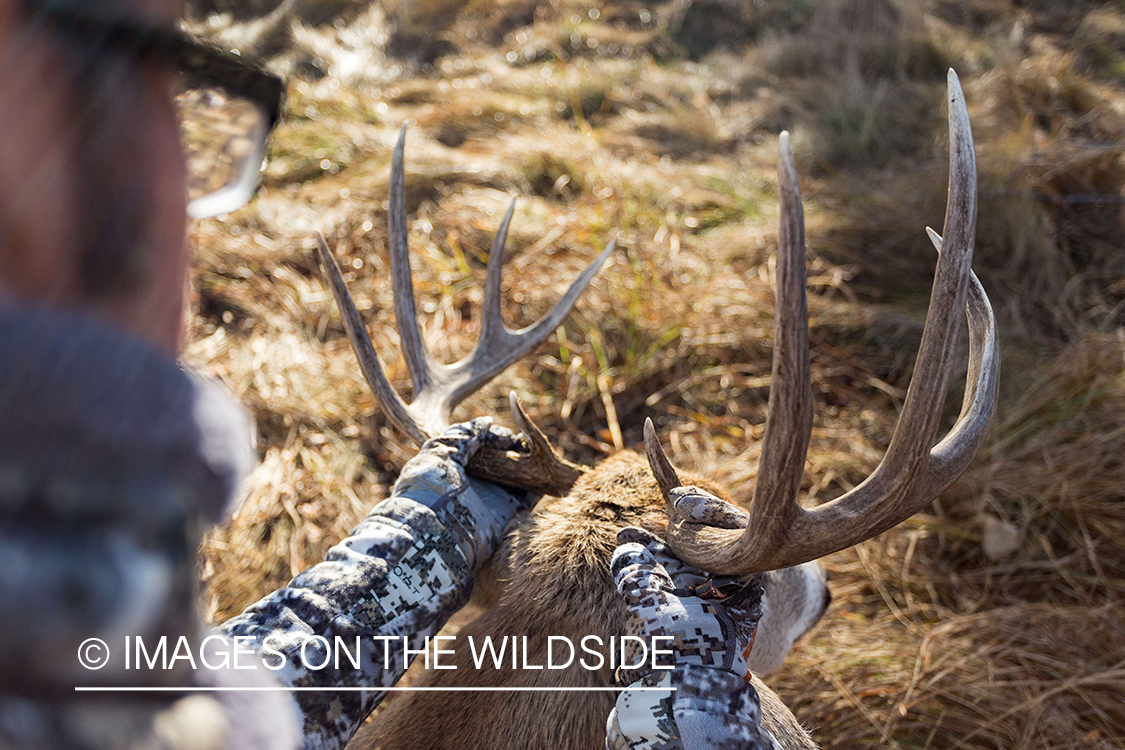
(438, 387)
(780, 533)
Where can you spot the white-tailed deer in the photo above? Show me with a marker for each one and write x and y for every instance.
(552, 570)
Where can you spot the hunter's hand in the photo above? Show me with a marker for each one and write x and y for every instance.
(474, 510)
(707, 701)
(711, 620)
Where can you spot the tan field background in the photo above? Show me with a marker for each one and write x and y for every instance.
(993, 619)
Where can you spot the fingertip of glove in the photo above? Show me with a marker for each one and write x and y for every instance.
(498, 437)
(694, 505)
(629, 552)
(635, 535)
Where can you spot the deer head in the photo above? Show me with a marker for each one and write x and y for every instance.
(772, 537)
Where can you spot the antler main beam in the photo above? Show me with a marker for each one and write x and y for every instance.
(781, 533)
(438, 387)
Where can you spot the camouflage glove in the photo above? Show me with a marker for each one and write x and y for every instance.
(664, 599)
(707, 702)
(474, 510)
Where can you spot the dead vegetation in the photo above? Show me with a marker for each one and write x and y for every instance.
(618, 120)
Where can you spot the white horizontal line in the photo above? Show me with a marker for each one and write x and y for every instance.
(116, 689)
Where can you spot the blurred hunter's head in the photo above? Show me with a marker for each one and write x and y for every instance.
(92, 176)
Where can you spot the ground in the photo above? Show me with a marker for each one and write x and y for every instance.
(993, 619)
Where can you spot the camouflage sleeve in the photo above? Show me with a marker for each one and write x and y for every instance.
(347, 622)
(703, 708)
(707, 701)
(394, 582)
(717, 710)
(475, 511)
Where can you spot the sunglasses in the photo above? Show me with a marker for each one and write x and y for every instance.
(226, 107)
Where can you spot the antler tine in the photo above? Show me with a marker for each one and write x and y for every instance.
(913, 436)
(789, 421)
(785, 444)
(889, 488)
(538, 469)
(490, 304)
(952, 455)
(913, 472)
(418, 360)
(392, 403)
(666, 476)
(543, 470)
(439, 388)
(499, 345)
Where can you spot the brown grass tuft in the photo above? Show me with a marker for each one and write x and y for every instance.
(869, 38)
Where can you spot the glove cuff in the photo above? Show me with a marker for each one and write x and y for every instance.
(643, 719)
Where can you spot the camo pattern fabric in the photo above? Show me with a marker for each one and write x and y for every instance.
(701, 708)
(707, 690)
(717, 710)
(643, 719)
(393, 583)
(477, 511)
(698, 506)
(707, 632)
(113, 460)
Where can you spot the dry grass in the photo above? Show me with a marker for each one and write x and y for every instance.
(614, 121)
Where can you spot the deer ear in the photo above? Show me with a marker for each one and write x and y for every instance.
(795, 599)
